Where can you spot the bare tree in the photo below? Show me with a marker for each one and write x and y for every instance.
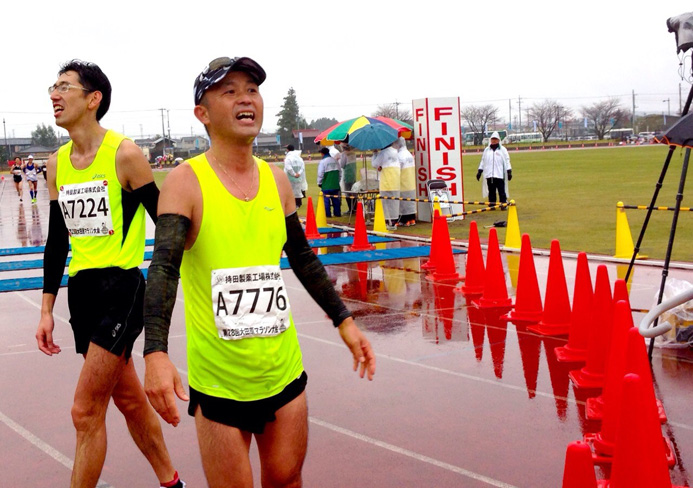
(478, 117)
(547, 115)
(605, 115)
(394, 111)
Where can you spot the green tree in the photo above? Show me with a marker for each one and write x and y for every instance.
(44, 136)
(290, 118)
(322, 123)
(4, 155)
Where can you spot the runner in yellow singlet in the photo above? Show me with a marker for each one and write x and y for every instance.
(99, 186)
(224, 218)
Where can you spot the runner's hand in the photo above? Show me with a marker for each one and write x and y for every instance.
(161, 380)
(364, 357)
(44, 335)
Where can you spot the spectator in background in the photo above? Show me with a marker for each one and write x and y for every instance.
(347, 162)
(495, 166)
(328, 181)
(295, 169)
(407, 184)
(387, 164)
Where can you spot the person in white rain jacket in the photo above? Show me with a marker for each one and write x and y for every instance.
(407, 183)
(495, 166)
(387, 164)
(295, 169)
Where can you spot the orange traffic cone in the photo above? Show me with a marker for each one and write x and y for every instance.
(474, 268)
(527, 308)
(431, 263)
(609, 403)
(311, 225)
(640, 453)
(580, 316)
(556, 317)
(592, 374)
(360, 235)
(495, 294)
(445, 270)
(579, 468)
(637, 361)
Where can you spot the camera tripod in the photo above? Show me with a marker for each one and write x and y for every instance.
(677, 209)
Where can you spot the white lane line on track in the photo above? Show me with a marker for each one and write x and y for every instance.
(43, 446)
(411, 454)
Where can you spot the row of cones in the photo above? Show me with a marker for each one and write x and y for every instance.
(360, 242)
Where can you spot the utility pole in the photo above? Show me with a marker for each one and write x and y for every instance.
(397, 109)
(632, 115)
(668, 106)
(510, 114)
(519, 110)
(4, 130)
(163, 134)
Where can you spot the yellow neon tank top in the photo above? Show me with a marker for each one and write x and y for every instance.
(236, 235)
(91, 201)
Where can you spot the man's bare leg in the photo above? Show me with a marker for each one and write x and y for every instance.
(224, 452)
(283, 445)
(143, 422)
(100, 373)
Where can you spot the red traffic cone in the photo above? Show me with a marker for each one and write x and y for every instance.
(637, 361)
(474, 268)
(621, 292)
(592, 374)
(495, 293)
(311, 225)
(580, 316)
(360, 235)
(445, 270)
(527, 307)
(639, 456)
(578, 471)
(431, 263)
(608, 404)
(556, 317)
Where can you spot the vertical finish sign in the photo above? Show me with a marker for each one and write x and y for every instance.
(438, 149)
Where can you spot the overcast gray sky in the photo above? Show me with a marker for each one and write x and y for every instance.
(343, 59)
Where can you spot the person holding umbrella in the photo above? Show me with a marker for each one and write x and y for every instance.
(387, 164)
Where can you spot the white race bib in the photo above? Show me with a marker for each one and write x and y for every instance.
(249, 302)
(86, 208)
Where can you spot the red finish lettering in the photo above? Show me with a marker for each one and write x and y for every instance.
(446, 173)
(448, 145)
(440, 112)
(420, 144)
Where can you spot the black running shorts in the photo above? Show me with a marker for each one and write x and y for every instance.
(106, 308)
(248, 416)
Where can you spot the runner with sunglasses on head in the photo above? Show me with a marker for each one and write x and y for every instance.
(224, 218)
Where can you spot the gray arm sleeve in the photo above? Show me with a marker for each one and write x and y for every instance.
(311, 273)
(162, 280)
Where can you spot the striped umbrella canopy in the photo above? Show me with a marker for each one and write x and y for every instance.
(365, 133)
(403, 129)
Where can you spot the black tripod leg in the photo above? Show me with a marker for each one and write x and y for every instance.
(672, 234)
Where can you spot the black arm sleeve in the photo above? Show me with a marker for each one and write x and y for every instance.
(55, 253)
(162, 280)
(148, 196)
(311, 273)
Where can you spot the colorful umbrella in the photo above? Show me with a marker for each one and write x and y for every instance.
(363, 133)
(322, 140)
(403, 129)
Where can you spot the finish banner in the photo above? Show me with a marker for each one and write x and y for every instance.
(438, 152)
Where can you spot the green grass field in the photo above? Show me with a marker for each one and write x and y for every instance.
(571, 195)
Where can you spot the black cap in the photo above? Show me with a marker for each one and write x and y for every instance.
(290, 147)
(218, 68)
